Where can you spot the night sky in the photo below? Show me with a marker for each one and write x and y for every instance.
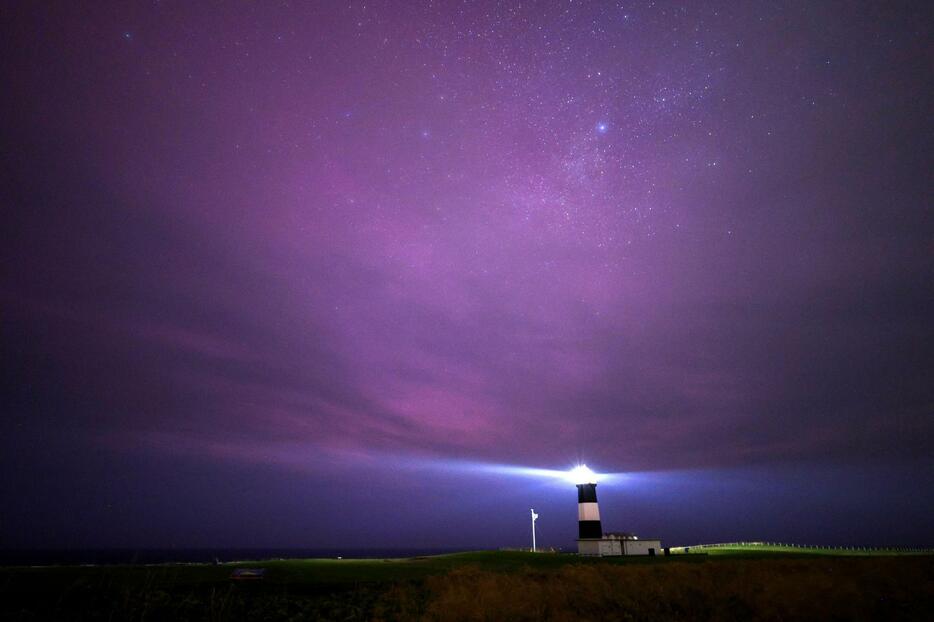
(321, 274)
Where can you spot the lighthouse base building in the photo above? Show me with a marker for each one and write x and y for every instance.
(613, 544)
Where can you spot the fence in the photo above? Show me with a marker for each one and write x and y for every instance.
(806, 547)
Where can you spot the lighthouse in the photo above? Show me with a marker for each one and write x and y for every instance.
(590, 537)
(588, 512)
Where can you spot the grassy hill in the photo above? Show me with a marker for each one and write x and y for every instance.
(749, 582)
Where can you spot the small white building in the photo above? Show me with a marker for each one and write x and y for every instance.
(602, 547)
(616, 544)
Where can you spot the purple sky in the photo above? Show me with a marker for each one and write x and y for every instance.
(271, 271)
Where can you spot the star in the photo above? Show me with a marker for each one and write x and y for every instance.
(602, 127)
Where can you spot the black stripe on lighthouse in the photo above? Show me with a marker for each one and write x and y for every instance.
(588, 512)
(586, 493)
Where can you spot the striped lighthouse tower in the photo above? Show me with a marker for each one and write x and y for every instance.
(588, 512)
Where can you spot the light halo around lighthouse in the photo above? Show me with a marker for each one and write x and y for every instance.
(581, 474)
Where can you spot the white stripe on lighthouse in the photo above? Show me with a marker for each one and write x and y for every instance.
(588, 511)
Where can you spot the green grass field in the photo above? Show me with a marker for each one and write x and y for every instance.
(766, 548)
(746, 582)
(317, 572)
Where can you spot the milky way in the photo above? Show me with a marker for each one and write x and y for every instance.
(326, 242)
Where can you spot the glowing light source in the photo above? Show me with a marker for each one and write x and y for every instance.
(581, 474)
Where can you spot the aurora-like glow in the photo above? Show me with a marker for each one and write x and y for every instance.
(261, 258)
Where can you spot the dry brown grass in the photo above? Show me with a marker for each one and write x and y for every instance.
(788, 589)
(488, 586)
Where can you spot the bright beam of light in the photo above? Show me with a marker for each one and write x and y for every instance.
(580, 474)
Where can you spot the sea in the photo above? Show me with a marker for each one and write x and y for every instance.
(107, 557)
